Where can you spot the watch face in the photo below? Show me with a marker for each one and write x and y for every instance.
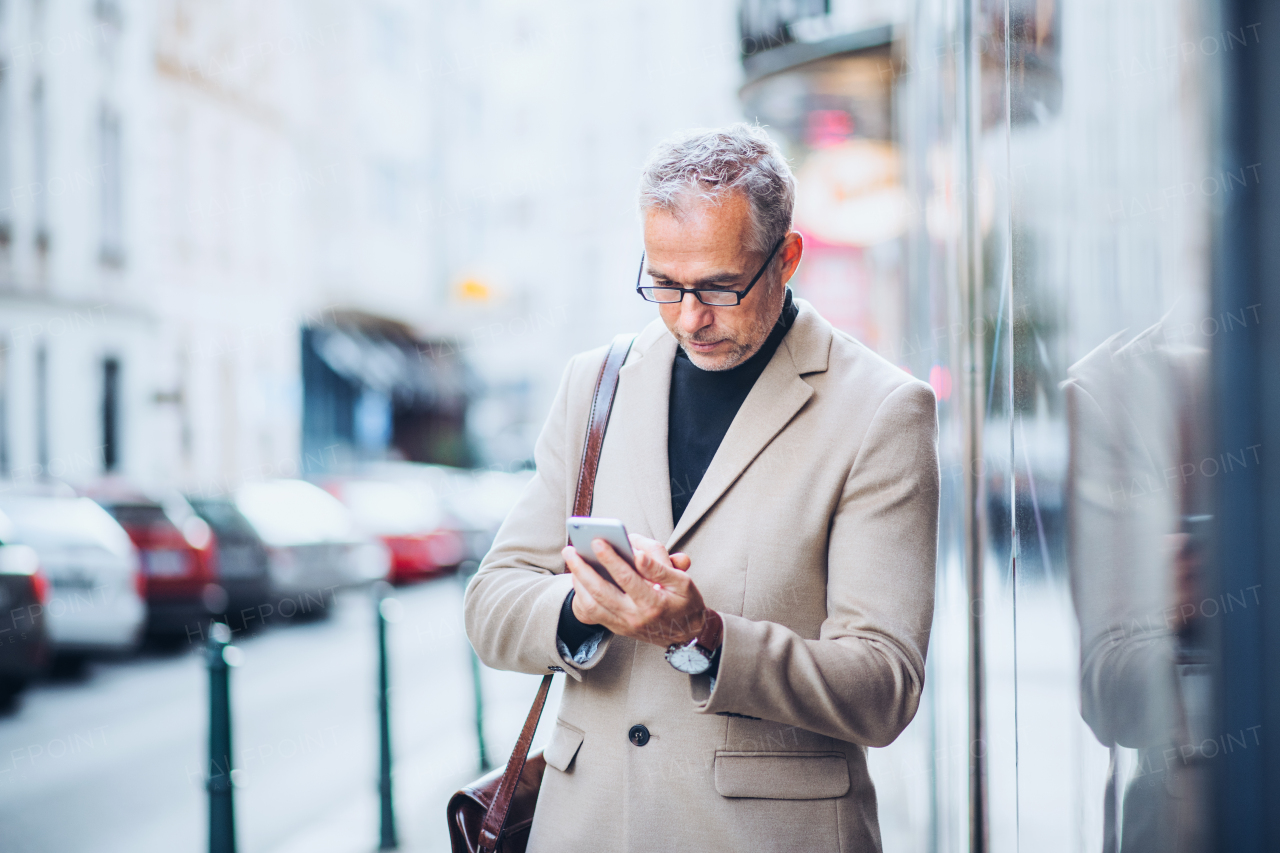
(689, 659)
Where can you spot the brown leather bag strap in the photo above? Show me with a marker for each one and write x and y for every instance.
(495, 819)
(601, 406)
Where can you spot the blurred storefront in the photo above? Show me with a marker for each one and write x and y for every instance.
(1019, 202)
(372, 390)
(834, 115)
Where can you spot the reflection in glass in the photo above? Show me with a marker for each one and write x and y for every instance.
(1139, 511)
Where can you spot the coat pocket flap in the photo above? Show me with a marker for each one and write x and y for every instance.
(782, 775)
(564, 744)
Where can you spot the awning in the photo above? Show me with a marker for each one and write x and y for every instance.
(409, 372)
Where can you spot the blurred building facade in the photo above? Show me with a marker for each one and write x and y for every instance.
(174, 170)
(70, 283)
(298, 138)
(193, 186)
(221, 187)
(546, 113)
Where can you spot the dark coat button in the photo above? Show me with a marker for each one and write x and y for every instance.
(638, 735)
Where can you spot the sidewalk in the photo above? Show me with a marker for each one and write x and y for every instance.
(429, 764)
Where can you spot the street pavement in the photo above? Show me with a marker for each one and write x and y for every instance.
(115, 761)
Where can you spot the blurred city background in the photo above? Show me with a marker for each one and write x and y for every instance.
(286, 288)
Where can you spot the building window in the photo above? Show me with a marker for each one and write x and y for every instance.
(42, 409)
(40, 164)
(112, 201)
(6, 179)
(110, 414)
(4, 410)
(108, 12)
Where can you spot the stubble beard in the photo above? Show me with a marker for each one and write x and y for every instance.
(740, 348)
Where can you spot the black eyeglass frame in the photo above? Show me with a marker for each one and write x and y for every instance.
(698, 291)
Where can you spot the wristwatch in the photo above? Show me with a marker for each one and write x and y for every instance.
(696, 656)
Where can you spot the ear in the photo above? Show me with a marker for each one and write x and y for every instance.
(791, 252)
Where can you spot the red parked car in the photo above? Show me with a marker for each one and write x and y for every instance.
(409, 520)
(177, 552)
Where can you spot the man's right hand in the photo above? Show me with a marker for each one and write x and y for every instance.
(658, 603)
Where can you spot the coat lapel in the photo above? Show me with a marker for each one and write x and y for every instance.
(640, 414)
(640, 417)
(774, 400)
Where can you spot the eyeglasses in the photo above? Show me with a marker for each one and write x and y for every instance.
(707, 296)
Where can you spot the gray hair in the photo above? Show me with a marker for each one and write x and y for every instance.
(708, 165)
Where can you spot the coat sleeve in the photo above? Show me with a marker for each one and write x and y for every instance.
(512, 605)
(861, 680)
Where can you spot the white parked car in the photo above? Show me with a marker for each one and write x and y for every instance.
(313, 544)
(95, 604)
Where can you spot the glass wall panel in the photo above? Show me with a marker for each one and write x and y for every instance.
(1110, 238)
(1015, 201)
(933, 79)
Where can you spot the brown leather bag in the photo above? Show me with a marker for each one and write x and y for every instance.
(494, 813)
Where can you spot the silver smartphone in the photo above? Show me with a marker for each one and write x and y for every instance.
(582, 531)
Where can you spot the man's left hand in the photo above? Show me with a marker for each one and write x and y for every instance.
(658, 603)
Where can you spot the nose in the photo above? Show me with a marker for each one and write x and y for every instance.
(694, 315)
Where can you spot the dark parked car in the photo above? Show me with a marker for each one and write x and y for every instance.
(241, 563)
(314, 547)
(24, 642)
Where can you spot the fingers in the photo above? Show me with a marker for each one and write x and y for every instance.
(618, 567)
(585, 608)
(658, 613)
(652, 560)
(604, 593)
(657, 569)
(632, 584)
(640, 543)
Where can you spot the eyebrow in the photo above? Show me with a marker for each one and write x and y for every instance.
(714, 280)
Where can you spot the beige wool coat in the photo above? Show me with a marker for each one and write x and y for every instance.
(814, 534)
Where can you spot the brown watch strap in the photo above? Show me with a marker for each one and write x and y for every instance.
(495, 819)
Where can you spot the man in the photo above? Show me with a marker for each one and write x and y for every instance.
(780, 482)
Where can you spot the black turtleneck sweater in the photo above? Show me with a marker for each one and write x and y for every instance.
(703, 404)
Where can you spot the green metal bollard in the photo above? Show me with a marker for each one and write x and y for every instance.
(387, 839)
(475, 679)
(220, 657)
(465, 572)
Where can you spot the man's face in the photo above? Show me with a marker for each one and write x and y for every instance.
(705, 246)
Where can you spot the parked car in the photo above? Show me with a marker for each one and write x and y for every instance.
(24, 640)
(474, 503)
(240, 563)
(176, 548)
(314, 545)
(481, 501)
(95, 603)
(409, 520)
